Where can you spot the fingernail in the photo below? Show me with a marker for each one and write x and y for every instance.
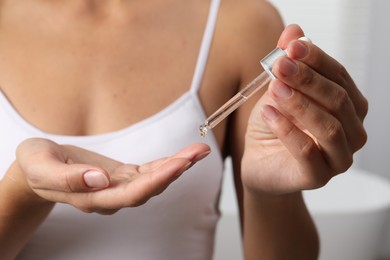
(282, 91)
(183, 169)
(95, 179)
(201, 156)
(300, 50)
(288, 67)
(270, 113)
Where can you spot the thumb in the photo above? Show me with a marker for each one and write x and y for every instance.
(46, 168)
(59, 176)
(80, 178)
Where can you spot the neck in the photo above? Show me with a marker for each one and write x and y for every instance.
(103, 9)
(97, 7)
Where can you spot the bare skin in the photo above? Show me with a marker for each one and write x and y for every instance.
(85, 61)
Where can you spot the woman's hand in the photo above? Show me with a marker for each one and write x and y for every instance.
(307, 126)
(94, 183)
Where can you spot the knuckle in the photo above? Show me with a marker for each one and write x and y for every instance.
(287, 131)
(315, 181)
(347, 163)
(362, 109)
(320, 181)
(86, 210)
(341, 100)
(360, 138)
(308, 150)
(342, 164)
(363, 139)
(32, 176)
(302, 106)
(334, 131)
(107, 212)
(343, 73)
(136, 202)
(83, 203)
(307, 77)
(67, 183)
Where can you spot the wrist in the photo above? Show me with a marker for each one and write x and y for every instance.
(21, 212)
(272, 199)
(276, 222)
(15, 184)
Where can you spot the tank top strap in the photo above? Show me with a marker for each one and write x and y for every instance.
(205, 46)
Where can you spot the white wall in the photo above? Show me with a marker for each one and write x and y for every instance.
(340, 27)
(375, 156)
(356, 33)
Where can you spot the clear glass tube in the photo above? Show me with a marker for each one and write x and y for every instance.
(237, 100)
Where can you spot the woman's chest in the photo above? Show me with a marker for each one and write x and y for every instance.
(88, 84)
(90, 79)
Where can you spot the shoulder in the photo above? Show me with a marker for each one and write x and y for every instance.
(251, 12)
(250, 28)
(251, 18)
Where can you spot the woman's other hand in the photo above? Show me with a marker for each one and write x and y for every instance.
(94, 183)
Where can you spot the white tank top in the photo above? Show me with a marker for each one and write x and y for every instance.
(177, 224)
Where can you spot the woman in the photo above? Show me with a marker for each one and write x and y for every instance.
(88, 86)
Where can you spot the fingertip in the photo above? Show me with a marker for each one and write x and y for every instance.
(203, 150)
(195, 151)
(202, 147)
(202, 155)
(285, 67)
(297, 49)
(291, 32)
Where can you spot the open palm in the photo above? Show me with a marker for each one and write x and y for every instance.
(95, 183)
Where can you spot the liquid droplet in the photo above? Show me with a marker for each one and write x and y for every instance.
(203, 130)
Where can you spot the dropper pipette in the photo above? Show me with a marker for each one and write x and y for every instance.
(237, 100)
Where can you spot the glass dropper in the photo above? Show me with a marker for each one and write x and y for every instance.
(237, 100)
